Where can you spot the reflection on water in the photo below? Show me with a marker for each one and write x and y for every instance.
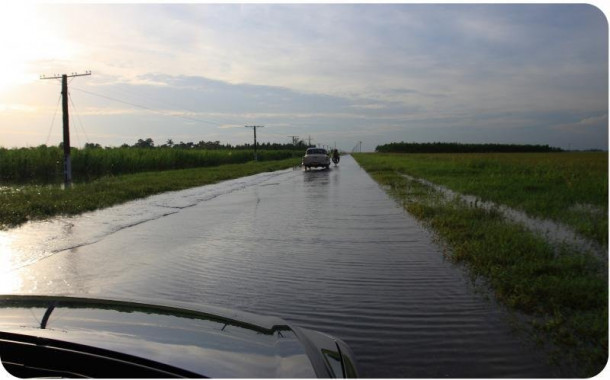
(212, 342)
(552, 231)
(10, 280)
(325, 249)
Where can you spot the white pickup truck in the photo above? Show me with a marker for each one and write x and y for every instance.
(315, 158)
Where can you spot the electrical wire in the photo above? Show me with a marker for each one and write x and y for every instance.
(53, 120)
(147, 108)
(130, 94)
(78, 118)
(164, 104)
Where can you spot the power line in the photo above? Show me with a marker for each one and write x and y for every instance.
(66, 122)
(149, 108)
(295, 139)
(53, 120)
(80, 122)
(254, 127)
(164, 103)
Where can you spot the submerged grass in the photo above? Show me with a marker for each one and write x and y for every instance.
(18, 204)
(564, 291)
(570, 188)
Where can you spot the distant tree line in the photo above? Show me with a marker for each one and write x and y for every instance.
(441, 147)
(149, 143)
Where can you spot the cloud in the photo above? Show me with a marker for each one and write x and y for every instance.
(588, 124)
(231, 126)
(17, 108)
(445, 70)
(372, 106)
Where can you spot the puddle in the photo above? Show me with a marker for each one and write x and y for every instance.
(555, 233)
(327, 250)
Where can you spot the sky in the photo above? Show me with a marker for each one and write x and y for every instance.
(341, 75)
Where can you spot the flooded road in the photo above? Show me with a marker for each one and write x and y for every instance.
(324, 249)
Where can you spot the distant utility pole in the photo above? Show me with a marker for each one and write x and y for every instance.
(254, 127)
(295, 140)
(66, 119)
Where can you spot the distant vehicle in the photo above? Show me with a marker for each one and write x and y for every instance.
(336, 157)
(316, 158)
(44, 336)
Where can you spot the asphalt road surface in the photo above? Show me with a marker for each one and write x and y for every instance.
(325, 249)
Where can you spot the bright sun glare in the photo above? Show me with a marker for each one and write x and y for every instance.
(25, 40)
(10, 281)
(15, 34)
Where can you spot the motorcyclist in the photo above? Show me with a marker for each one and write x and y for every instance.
(335, 156)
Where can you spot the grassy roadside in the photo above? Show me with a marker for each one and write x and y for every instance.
(18, 204)
(570, 188)
(564, 292)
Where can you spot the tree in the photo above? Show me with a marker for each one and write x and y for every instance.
(92, 146)
(148, 143)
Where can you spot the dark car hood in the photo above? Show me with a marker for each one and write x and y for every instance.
(212, 342)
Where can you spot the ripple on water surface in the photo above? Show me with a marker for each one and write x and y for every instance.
(326, 249)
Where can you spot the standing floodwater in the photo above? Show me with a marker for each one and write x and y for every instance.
(323, 249)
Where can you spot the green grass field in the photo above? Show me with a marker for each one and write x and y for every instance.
(20, 203)
(562, 289)
(45, 164)
(570, 188)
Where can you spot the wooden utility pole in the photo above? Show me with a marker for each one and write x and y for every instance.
(295, 140)
(254, 127)
(66, 122)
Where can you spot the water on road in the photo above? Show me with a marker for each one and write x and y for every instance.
(324, 249)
